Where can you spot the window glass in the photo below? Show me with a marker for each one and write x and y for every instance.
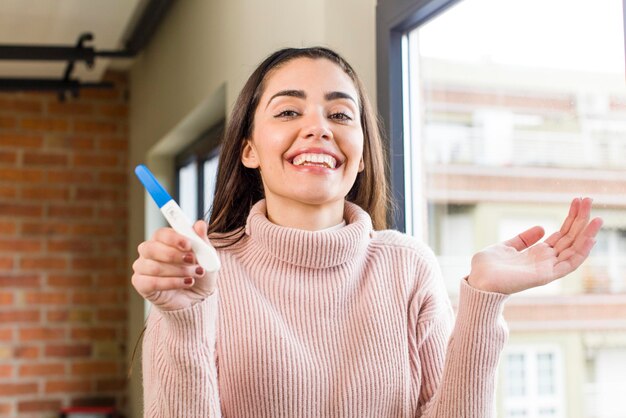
(512, 108)
(210, 173)
(187, 190)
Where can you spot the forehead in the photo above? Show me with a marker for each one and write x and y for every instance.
(309, 75)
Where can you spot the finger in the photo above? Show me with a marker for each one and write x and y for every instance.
(172, 238)
(590, 232)
(148, 267)
(201, 229)
(158, 251)
(581, 221)
(574, 259)
(526, 238)
(567, 223)
(147, 286)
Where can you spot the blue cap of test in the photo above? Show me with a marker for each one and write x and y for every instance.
(158, 193)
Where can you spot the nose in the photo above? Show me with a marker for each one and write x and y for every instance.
(317, 126)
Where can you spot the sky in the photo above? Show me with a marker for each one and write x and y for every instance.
(580, 35)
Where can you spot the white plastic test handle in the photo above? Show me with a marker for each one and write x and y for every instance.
(205, 253)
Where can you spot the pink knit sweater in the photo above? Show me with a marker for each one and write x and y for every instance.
(345, 323)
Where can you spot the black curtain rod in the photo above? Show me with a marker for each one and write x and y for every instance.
(49, 84)
(57, 53)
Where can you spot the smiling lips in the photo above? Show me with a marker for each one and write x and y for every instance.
(318, 160)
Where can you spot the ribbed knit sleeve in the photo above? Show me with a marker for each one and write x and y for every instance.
(467, 380)
(179, 367)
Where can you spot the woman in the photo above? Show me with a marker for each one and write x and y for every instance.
(317, 310)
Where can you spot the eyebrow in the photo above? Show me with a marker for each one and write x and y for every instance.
(300, 94)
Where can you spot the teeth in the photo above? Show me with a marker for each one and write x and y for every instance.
(315, 159)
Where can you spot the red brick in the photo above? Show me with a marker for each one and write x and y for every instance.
(6, 334)
(46, 193)
(110, 385)
(8, 192)
(69, 386)
(20, 245)
(26, 352)
(70, 245)
(8, 157)
(112, 213)
(76, 316)
(70, 176)
(68, 350)
(34, 369)
(91, 368)
(6, 298)
(112, 178)
(7, 228)
(45, 124)
(19, 316)
(6, 263)
(7, 122)
(96, 263)
(48, 405)
(51, 263)
(100, 194)
(70, 142)
(16, 209)
(44, 158)
(6, 370)
(115, 315)
(6, 408)
(13, 389)
(95, 160)
(113, 144)
(46, 298)
(15, 280)
(41, 334)
(71, 212)
(45, 228)
(91, 229)
(94, 334)
(22, 175)
(99, 93)
(69, 108)
(111, 280)
(21, 141)
(94, 127)
(21, 106)
(70, 280)
(96, 297)
(114, 110)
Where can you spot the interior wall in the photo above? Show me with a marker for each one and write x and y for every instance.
(189, 76)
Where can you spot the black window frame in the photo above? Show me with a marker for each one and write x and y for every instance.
(394, 18)
(203, 148)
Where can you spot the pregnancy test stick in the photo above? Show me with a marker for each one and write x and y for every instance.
(205, 253)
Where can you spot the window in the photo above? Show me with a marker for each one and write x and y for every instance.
(196, 169)
(499, 113)
(533, 382)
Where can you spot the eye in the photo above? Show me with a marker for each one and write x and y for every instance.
(286, 114)
(340, 116)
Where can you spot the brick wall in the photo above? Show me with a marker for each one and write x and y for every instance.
(63, 273)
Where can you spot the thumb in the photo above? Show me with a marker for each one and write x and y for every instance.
(526, 238)
(201, 228)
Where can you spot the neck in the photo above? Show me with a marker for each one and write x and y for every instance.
(308, 217)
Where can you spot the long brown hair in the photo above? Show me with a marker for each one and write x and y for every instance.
(238, 187)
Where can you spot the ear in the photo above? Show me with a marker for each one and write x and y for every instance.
(361, 165)
(249, 156)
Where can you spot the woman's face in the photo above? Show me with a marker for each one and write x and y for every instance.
(307, 138)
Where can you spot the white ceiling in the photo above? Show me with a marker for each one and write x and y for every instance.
(61, 22)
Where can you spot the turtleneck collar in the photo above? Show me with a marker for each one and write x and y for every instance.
(313, 249)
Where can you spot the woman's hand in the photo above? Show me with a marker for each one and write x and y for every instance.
(519, 263)
(167, 273)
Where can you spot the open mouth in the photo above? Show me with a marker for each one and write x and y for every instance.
(315, 160)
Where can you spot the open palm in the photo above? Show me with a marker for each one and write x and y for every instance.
(522, 263)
